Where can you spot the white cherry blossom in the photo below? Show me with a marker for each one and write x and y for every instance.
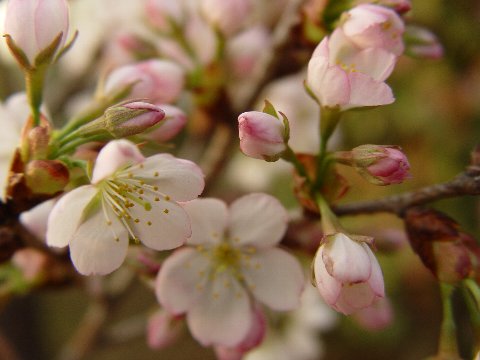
(130, 197)
(232, 259)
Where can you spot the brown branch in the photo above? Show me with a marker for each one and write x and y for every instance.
(466, 183)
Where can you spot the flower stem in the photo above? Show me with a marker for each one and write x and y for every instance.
(329, 119)
(330, 223)
(289, 155)
(448, 342)
(34, 79)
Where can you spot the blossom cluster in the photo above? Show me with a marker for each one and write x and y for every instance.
(128, 176)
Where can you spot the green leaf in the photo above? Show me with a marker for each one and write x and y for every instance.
(269, 109)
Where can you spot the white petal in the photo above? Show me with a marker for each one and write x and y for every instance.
(275, 278)
(375, 62)
(257, 219)
(346, 260)
(165, 226)
(180, 179)
(328, 287)
(114, 156)
(66, 215)
(35, 219)
(99, 248)
(180, 280)
(376, 278)
(222, 315)
(209, 220)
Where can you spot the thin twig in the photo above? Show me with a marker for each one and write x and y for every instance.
(466, 183)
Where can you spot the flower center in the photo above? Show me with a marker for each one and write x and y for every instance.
(225, 256)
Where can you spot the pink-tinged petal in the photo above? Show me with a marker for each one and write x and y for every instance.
(257, 219)
(322, 49)
(67, 214)
(367, 92)
(20, 25)
(99, 246)
(208, 218)
(346, 260)
(275, 278)
(114, 156)
(328, 287)
(375, 62)
(51, 18)
(355, 297)
(165, 226)
(222, 314)
(376, 278)
(377, 316)
(361, 18)
(328, 83)
(35, 219)
(180, 280)
(180, 179)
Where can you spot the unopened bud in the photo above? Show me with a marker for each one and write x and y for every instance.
(34, 139)
(156, 80)
(228, 16)
(380, 165)
(262, 136)
(422, 43)
(46, 176)
(36, 29)
(132, 118)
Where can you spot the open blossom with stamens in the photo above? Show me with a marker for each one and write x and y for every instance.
(129, 197)
(347, 274)
(231, 258)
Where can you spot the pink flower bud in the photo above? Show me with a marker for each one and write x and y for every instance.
(132, 118)
(244, 49)
(371, 25)
(156, 80)
(35, 24)
(175, 120)
(163, 329)
(161, 13)
(381, 165)
(262, 136)
(422, 43)
(254, 337)
(31, 262)
(347, 274)
(228, 16)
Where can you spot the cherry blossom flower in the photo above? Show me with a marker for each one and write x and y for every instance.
(341, 75)
(129, 197)
(231, 259)
(228, 16)
(347, 274)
